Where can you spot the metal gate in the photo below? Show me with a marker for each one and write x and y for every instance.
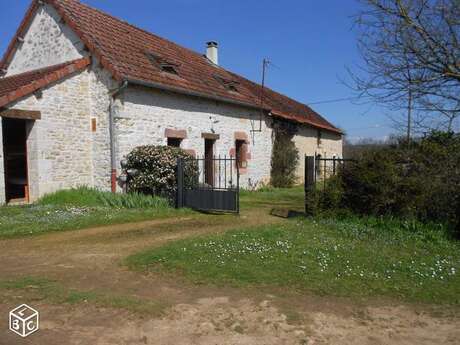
(209, 184)
(318, 170)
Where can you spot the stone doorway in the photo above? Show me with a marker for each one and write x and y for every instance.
(15, 135)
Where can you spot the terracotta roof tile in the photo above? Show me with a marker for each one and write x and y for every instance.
(21, 85)
(122, 49)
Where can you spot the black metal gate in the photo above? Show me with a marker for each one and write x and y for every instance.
(209, 184)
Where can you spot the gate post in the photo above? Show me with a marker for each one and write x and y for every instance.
(237, 186)
(180, 183)
(310, 180)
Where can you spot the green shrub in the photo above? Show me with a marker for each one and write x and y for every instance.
(332, 195)
(88, 197)
(373, 184)
(285, 157)
(421, 182)
(328, 196)
(156, 170)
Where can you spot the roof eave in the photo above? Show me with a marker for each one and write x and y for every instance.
(294, 118)
(55, 76)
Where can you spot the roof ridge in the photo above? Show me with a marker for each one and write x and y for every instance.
(138, 28)
(120, 48)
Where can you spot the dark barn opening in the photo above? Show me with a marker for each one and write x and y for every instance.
(15, 159)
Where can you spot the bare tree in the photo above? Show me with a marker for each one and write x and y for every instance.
(411, 55)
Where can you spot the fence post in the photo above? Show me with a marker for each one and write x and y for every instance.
(333, 169)
(237, 185)
(180, 183)
(310, 179)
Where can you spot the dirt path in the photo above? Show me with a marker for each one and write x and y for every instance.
(90, 260)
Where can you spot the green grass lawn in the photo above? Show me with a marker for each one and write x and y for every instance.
(84, 207)
(292, 198)
(80, 208)
(350, 257)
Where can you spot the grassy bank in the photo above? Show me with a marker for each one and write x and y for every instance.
(34, 288)
(80, 208)
(349, 257)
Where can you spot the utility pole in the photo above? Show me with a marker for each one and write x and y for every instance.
(264, 69)
(265, 63)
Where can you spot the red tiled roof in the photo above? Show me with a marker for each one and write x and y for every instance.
(21, 85)
(122, 49)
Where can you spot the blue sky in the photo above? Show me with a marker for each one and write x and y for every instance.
(309, 42)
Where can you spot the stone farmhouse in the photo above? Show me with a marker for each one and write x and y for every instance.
(79, 89)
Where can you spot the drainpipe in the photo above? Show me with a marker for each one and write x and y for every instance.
(113, 175)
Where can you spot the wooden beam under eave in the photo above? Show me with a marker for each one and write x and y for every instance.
(21, 114)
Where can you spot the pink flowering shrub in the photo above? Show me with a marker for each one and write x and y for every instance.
(155, 168)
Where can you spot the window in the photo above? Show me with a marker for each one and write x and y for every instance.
(230, 85)
(240, 152)
(162, 64)
(319, 138)
(168, 68)
(174, 142)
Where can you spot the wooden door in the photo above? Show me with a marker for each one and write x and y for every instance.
(208, 162)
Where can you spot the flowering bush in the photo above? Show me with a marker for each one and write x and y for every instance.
(155, 170)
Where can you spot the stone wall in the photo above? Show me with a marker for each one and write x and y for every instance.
(2, 167)
(59, 144)
(145, 114)
(47, 42)
(64, 150)
(306, 141)
(99, 98)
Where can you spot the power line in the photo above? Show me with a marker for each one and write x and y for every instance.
(337, 100)
(377, 125)
(269, 63)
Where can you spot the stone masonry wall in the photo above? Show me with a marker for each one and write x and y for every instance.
(147, 114)
(306, 141)
(47, 42)
(65, 152)
(59, 144)
(99, 98)
(2, 167)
